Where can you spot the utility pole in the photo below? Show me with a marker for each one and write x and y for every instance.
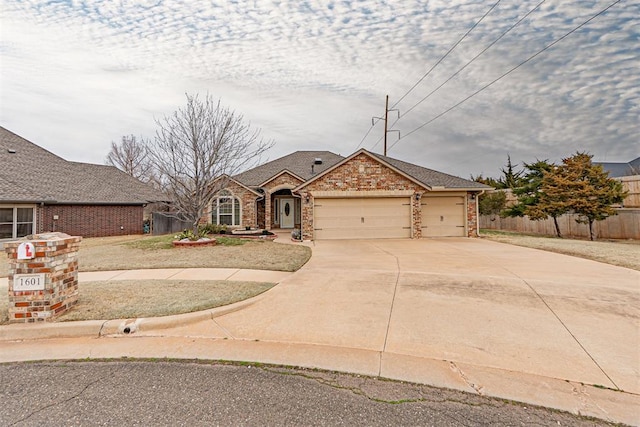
(386, 123)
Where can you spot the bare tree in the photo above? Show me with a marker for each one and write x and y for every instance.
(197, 148)
(131, 157)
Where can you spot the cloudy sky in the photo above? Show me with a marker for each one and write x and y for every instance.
(77, 75)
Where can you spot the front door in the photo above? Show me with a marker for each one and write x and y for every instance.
(286, 213)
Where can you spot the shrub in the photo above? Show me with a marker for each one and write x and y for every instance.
(187, 234)
(212, 229)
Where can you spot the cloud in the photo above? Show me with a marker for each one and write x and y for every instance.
(311, 74)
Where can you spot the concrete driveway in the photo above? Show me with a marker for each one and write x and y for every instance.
(463, 313)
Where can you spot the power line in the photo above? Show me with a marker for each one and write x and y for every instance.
(508, 72)
(365, 136)
(466, 65)
(446, 54)
(427, 74)
(474, 58)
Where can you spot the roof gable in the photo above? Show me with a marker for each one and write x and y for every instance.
(295, 181)
(299, 163)
(238, 183)
(427, 178)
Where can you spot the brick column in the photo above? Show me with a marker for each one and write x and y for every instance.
(306, 216)
(416, 211)
(267, 210)
(46, 285)
(472, 217)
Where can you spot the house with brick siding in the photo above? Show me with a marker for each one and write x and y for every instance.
(41, 192)
(362, 196)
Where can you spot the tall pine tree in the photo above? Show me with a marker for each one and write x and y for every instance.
(551, 198)
(528, 192)
(590, 193)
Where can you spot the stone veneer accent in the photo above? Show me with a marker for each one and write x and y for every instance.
(55, 257)
(472, 216)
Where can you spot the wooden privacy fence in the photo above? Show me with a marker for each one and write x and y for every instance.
(625, 225)
(163, 224)
(632, 185)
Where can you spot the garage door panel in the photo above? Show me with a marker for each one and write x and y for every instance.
(362, 218)
(443, 216)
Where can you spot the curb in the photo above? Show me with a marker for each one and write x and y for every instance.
(101, 328)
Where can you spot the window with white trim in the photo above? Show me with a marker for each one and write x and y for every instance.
(16, 221)
(226, 209)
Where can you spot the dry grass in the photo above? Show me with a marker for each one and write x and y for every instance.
(128, 299)
(136, 252)
(623, 253)
(153, 298)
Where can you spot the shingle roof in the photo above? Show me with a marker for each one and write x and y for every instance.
(618, 169)
(29, 173)
(300, 163)
(430, 177)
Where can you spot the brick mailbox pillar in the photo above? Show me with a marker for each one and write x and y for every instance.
(43, 276)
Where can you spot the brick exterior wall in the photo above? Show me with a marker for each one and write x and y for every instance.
(55, 258)
(91, 220)
(247, 199)
(362, 173)
(283, 181)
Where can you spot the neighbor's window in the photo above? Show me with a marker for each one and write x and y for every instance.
(15, 222)
(226, 210)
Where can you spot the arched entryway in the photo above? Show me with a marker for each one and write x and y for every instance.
(285, 209)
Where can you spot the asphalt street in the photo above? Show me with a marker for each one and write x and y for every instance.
(189, 393)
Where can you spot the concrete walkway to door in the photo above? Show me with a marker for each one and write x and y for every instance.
(468, 314)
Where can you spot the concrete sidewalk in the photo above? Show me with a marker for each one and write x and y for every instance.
(467, 314)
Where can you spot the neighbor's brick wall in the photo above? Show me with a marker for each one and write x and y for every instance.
(91, 220)
(362, 173)
(56, 258)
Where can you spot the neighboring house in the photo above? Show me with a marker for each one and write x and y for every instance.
(619, 169)
(42, 192)
(365, 195)
(629, 175)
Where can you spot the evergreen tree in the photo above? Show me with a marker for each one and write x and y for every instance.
(492, 203)
(551, 198)
(510, 178)
(491, 182)
(590, 192)
(528, 192)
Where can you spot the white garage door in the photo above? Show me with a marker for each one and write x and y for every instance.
(443, 216)
(362, 218)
